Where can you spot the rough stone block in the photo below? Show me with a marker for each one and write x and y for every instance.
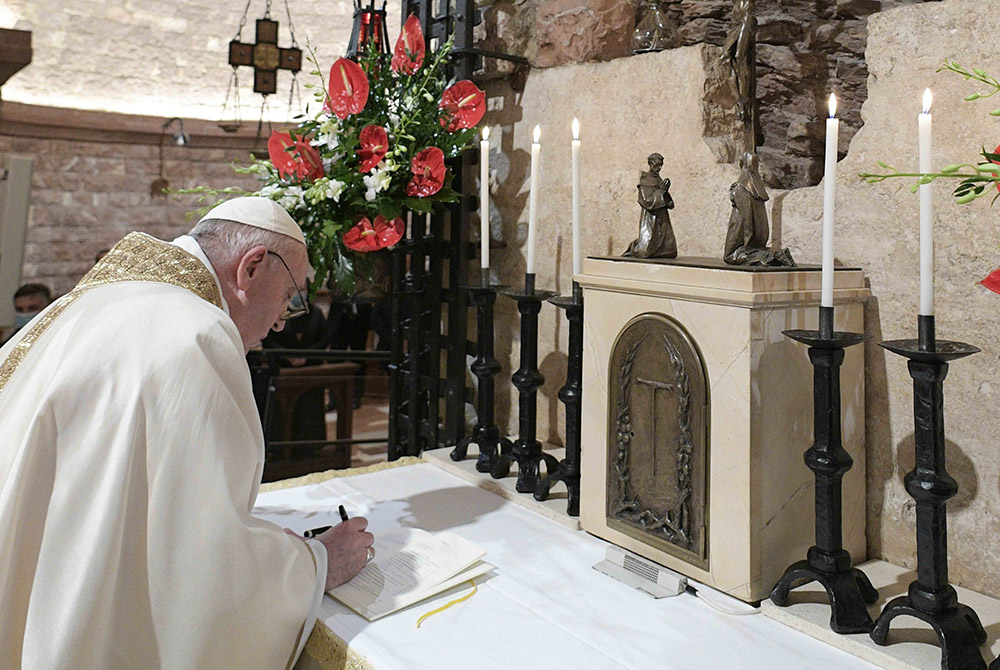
(574, 31)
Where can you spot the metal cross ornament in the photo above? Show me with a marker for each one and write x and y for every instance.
(265, 56)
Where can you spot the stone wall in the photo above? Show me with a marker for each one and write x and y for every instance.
(86, 195)
(806, 50)
(876, 230)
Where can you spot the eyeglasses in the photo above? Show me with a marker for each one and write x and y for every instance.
(297, 305)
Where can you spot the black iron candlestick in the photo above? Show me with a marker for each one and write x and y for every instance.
(571, 395)
(931, 598)
(827, 562)
(527, 450)
(486, 434)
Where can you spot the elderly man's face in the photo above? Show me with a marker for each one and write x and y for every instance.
(273, 293)
(655, 164)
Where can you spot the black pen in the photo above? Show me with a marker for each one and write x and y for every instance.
(313, 532)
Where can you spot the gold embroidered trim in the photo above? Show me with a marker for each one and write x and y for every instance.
(331, 653)
(137, 257)
(22, 348)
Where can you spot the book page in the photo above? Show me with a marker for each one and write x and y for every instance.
(416, 565)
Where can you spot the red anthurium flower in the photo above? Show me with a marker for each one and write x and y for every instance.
(992, 281)
(464, 104)
(428, 173)
(408, 55)
(365, 236)
(348, 88)
(374, 144)
(294, 157)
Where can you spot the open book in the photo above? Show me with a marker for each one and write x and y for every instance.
(410, 565)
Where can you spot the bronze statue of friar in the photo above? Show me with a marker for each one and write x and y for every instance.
(656, 235)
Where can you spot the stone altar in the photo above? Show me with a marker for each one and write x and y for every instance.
(756, 492)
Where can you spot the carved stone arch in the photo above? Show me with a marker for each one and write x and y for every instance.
(658, 400)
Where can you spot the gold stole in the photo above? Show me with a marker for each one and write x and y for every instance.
(137, 257)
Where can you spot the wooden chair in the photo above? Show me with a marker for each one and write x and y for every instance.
(289, 385)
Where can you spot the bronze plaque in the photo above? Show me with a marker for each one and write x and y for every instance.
(658, 438)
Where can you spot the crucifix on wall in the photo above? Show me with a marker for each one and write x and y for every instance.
(265, 56)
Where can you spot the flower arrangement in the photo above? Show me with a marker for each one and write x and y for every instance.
(378, 147)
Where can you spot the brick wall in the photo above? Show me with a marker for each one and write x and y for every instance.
(87, 194)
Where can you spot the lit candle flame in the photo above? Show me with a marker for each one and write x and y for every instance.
(927, 100)
(486, 133)
(833, 105)
(576, 128)
(538, 133)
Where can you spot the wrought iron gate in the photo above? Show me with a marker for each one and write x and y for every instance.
(427, 370)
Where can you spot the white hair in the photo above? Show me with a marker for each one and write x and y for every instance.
(225, 242)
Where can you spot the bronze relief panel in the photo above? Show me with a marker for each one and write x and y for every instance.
(658, 433)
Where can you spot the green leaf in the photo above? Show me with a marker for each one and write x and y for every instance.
(343, 272)
(981, 73)
(419, 205)
(968, 197)
(948, 169)
(995, 112)
(971, 97)
(883, 165)
(926, 179)
(913, 189)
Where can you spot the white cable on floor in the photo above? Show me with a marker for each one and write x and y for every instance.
(725, 610)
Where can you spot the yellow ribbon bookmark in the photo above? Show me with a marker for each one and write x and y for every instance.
(447, 605)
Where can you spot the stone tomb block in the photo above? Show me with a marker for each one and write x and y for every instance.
(697, 412)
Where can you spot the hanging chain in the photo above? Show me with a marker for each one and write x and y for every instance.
(294, 94)
(291, 28)
(267, 10)
(243, 22)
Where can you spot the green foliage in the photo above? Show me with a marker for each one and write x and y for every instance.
(975, 177)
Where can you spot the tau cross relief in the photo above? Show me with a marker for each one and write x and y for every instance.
(656, 386)
(265, 56)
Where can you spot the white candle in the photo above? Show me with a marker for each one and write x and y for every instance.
(926, 213)
(484, 200)
(576, 196)
(829, 202)
(536, 160)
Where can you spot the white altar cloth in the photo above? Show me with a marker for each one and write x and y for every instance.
(544, 606)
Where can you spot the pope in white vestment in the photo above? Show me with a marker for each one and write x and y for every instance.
(130, 455)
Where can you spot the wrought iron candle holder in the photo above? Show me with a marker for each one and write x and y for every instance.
(571, 395)
(827, 562)
(486, 434)
(527, 450)
(931, 598)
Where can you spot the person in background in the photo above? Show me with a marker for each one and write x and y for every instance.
(29, 300)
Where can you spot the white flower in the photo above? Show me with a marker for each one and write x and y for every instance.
(292, 199)
(334, 189)
(327, 133)
(272, 191)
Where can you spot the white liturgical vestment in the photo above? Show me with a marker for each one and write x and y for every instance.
(130, 456)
